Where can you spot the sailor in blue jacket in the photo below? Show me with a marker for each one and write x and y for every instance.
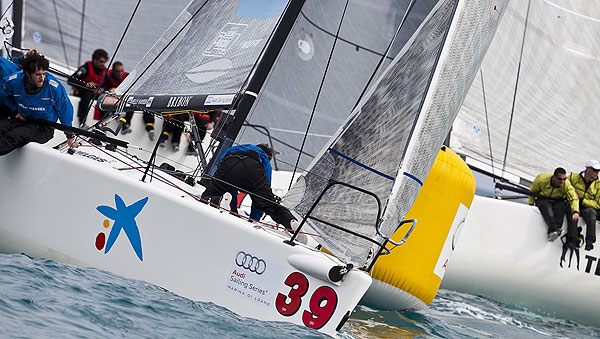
(33, 94)
(247, 168)
(7, 68)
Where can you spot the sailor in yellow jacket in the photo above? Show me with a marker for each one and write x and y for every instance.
(587, 187)
(551, 191)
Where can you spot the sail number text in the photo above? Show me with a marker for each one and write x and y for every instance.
(322, 303)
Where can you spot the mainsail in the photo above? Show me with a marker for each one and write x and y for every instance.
(286, 103)
(390, 142)
(533, 106)
(206, 54)
(68, 31)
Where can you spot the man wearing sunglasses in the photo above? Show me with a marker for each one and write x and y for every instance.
(549, 193)
(586, 186)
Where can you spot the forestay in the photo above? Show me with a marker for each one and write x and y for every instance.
(209, 49)
(542, 70)
(285, 105)
(391, 140)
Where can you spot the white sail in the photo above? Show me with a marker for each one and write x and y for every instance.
(326, 83)
(391, 141)
(541, 70)
(209, 49)
(68, 31)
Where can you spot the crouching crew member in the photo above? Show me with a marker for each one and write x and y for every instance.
(553, 190)
(247, 168)
(33, 94)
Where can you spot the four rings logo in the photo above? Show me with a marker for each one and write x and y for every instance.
(250, 262)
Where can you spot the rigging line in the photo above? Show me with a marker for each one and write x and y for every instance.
(312, 114)
(7, 8)
(80, 35)
(344, 40)
(512, 111)
(165, 47)
(487, 122)
(113, 56)
(62, 41)
(257, 129)
(387, 51)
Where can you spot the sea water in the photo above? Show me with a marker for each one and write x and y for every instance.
(41, 298)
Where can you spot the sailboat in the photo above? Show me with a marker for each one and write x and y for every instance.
(531, 108)
(100, 206)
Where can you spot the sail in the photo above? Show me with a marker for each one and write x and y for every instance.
(68, 31)
(208, 50)
(284, 107)
(389, 144)
(541, 74)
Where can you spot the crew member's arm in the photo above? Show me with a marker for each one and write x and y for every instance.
(592, 196)
(64, 108)
(535, 188)
(572, 199)
(75, 79)
(6, 95)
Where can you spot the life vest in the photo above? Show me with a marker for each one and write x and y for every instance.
(114, 83)
(91, 76)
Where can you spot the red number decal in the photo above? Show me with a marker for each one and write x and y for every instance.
(299, 284)
(322, 305)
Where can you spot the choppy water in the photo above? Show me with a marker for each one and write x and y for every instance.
(41, 298)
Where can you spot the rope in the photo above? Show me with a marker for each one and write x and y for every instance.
(81, 34)
(512, 111)
(7, 8)
(113, 56)
(60, 33)
(312, 114)
(387, 51)
(487, 123)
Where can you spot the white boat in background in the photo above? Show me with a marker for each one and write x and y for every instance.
(532, 108)
(103, 207)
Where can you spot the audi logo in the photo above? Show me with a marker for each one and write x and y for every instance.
(250, 262)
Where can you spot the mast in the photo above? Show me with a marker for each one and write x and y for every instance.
(258, 79)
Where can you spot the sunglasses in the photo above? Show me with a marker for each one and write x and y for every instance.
(561, 179)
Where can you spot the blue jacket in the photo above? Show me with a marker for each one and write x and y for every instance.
(8, 67)
(255, 213)
(51, 103)
(264, 158)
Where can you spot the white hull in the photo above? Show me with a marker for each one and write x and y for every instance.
(49, 209)
(503, 254)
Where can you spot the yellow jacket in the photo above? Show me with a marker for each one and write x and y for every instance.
(542, 186)
(589, 197)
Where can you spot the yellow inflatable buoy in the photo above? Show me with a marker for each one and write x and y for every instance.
(409, 277)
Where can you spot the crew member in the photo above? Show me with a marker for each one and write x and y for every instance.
(33, 94)
(247, 168)
(116, 75)
(588, 192)
(9, 67)
(84, 81)
(552, 191)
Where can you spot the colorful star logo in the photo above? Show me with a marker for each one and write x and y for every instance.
(124, 217)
